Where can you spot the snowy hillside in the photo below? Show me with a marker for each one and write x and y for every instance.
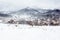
(30, 24)
(32, 16)
(26, 32)
(33, 12)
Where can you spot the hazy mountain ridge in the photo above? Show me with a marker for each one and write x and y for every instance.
(38, 13)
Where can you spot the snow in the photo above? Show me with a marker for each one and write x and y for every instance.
(26, 32)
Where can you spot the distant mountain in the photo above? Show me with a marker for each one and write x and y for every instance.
(53, 13)
(35, 13)
(4, 15)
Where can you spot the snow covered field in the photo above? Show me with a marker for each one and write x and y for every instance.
(26, 32)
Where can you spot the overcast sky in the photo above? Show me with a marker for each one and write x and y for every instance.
(18, 4)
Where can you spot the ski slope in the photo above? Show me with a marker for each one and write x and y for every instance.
(26, 32)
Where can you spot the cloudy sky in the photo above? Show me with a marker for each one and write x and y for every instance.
(18, 4)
